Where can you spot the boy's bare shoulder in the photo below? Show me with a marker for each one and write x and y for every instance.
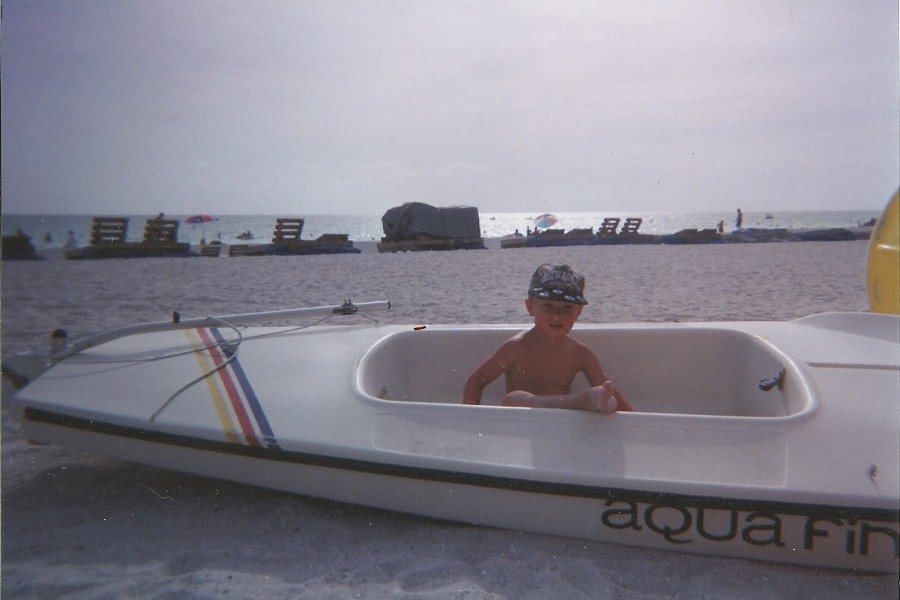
(581, 350)
(514, 344)
(579, 344)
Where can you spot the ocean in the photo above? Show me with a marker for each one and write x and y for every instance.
(50, 231)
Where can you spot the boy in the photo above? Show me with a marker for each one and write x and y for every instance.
(541, 363)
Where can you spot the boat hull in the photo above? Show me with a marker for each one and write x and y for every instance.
(747, 477)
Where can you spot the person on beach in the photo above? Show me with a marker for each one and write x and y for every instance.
(739, 219)
(540, 364)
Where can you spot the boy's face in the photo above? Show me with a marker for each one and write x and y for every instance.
(553, 317)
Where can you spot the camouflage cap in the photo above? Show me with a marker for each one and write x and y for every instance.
(557, 282)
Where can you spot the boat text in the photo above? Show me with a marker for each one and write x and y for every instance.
(686, 524)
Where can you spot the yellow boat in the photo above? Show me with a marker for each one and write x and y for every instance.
(884, 260)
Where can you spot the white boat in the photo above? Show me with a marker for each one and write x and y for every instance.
(773, 441)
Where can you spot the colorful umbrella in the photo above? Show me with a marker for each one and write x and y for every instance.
(202, 220)
(195, 219)
(545, 220)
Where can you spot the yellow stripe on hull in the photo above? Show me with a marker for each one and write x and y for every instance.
(211, 382)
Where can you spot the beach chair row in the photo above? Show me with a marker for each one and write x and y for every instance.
(611, 224)
(114, 230)
(109, 239)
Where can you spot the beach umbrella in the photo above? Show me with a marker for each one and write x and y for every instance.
(195, 219)
(201, 220)
(545, 220)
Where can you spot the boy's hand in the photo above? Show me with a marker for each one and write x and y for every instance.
(603, 398)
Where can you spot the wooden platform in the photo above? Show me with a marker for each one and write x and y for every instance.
(428, 244)
(286, 241)
(109, 240)
(18, 247)
(211, 250)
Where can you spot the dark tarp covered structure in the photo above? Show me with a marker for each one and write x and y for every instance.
(415, 220)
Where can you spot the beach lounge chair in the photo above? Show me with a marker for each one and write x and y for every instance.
(631, 226)
(287, 230)
(108, 230)
(161, 230)
(108, 240)
(286, 242)
(609, 226)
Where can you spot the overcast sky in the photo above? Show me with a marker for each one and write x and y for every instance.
(331, 107)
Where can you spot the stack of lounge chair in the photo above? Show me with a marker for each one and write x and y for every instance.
(108, 240)
(608, 233)
(286, 240)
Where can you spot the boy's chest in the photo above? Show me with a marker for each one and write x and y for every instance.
(542, 374)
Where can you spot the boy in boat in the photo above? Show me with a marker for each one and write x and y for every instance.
(540, 364)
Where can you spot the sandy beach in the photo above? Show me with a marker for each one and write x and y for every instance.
(78, 526)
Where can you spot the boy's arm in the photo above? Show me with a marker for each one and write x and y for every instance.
(596, 376)
(485, 374)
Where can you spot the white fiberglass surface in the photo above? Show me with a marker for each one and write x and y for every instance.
(704, 371)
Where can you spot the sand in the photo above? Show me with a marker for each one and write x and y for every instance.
(78, 526)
